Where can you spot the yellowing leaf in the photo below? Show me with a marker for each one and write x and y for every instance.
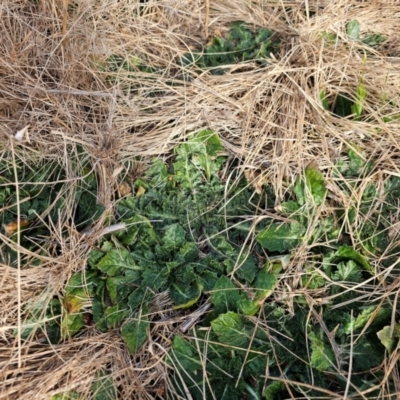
(73, 304)
(388, 340)
(12, 227)
(140, 191)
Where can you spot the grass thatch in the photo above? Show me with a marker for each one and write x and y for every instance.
(54, 80)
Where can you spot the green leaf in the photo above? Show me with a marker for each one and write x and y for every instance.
(322, 356)
(138, 297)
(281, 237)
(189, 252)
(155, 277)
(185, 295)
(342, 106)
(367, 354)
(158, 172)
(174, 238)
(347, 271)
(256, 363)
(190, 59)
(353, 29)
(324, 100)
(358, 106)
(134, 332)
(348, 253)
(114, 315)
(37, 311)
(98, 314)
(244, 265)
(263, 287)
(208, 279)
(94, 257)
(329, 228)
(371, 315)
(290, 208)
(103, 387)
(312, 280)
(374, 39)
(316, 184)
(247, 306)
(299, 191)
(71, 324)
(88, 210)
(265, 284)
(220, 44)
(187, 176)
(115, 261)
(248, 268)
(330, 37)
(231, 330)
(118, 288)
(209, 165)
(357, 164)
(183, 356)
(81, 285)
(29, 326)
(138, 227)
(127, 207)
(263, 35)
(203, 151)
(272, 389)
(225, 295)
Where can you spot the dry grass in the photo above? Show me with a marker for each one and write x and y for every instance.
(51, 80)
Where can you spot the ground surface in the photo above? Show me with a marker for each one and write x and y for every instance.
(78, 111)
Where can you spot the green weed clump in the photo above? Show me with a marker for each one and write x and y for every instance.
(172, 240)
(353, 34)
(241, 44)
(35, 203)
(352, 104)
(327, 326)
(186, 233)
(36, 192)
